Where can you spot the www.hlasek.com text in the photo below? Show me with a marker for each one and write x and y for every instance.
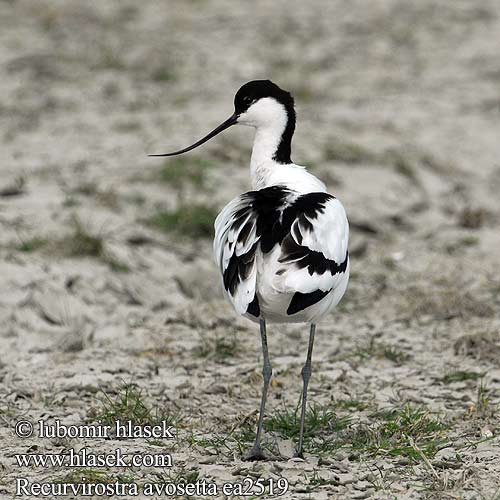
(85, 458)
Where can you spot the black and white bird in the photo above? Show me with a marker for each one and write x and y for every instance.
(281, 248)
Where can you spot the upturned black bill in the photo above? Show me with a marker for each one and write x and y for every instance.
(223, 126)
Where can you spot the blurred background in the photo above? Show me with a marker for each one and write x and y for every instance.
(106, 264)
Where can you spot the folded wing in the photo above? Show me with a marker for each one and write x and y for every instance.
(314, 256)
(235, 245)
(312, 232)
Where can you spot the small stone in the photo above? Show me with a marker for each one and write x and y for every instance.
(216, 389)
(286, 448)
(445, 454)
(361, 485)
(341, 455)
(340, 466)
(486, 432)
(359, 495)
(345, 478)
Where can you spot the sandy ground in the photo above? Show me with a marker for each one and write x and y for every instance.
(399, 107)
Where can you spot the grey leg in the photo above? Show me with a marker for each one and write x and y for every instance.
(256, 452)
(306, 375)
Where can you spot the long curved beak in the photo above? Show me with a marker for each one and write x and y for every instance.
(223, 126)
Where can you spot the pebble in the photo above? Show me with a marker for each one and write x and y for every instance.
(359, 495)
(362, 485)
(445, 454)
(286, 448)
(345, 478)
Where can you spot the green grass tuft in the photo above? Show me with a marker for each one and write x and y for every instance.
(376, 349)
(403, 431)
(82, 243)
(186, 170)
(352, 403)
(402, 163)
(469, 241)
(485, 409)
(189, 221)
(347, 152)
(163, 75)
(319, 419)
(129, 405)
(316, 480)
(116, 265)
(218, 348)
(220, 444)
(181, 475)
(460, 376)
(32, 244)
(86, 189)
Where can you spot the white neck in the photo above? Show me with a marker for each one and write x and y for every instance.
(265, 145)
(265, 172)
(269, 118)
